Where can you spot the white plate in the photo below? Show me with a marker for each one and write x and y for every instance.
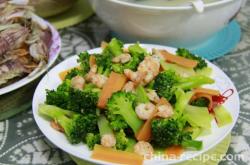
(53, 54)
(51, 80)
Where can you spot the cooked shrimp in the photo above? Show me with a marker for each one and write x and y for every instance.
(149, 64)
(152, 95)
(136, 77)
(97, 79)
(144, 148)
(165, 111)
(123, 58)
(129, 86)
(144, 111)
(146, 71)
(77, 82)
(108, 140)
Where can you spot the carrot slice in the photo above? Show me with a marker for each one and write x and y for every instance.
(179, 60)
(64, 73)
(207, 91)
(116, 156)
(174, 151)
(114, 83)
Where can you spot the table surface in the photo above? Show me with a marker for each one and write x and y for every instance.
(21, 142)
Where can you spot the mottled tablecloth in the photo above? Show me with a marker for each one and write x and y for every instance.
(21, 142)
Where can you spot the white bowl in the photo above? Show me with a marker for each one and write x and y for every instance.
(54, 51)
(51, 80)
(176, 26)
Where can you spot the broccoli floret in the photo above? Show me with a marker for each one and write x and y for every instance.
(200, 102)
(130, 145)
(121, 103)
(72, 99)
(185, 53)
(137, 50)
(92, 139)
(114, 47)
(121, 140)
(168, 81)
(168, 132)
(75, 125)
(74, 72)
(60, 96)
(83, 59)
(116, 121)
(104, 63)
(82, 101)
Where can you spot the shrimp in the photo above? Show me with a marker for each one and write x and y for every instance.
(108, 140)
(149, 65)
(152, 95)
(136, 77)
(144, 148)
(145, 111)
(77, 82)
(129, 86)
(147, 70)
(165, 111)
(97, 79)
(123, 58)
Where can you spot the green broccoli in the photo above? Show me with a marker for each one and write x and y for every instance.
(75, 125)
(121, 140)
(74, 72)
(104, 63)
(185, 53)
(168, 81)
(200, 102)
(121, 103)
(114, 47)
(82, 101)
(116, 121)
(60, 96)
(168, 132)
(92, 139)
(83, 59)
(72, 99)
(130, 145)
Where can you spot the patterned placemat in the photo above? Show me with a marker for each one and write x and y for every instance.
(211, 157)
(79, 12)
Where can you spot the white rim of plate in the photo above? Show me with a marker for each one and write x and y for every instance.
(55, 49)
(190, 156)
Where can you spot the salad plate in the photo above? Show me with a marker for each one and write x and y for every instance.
(51, 80)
